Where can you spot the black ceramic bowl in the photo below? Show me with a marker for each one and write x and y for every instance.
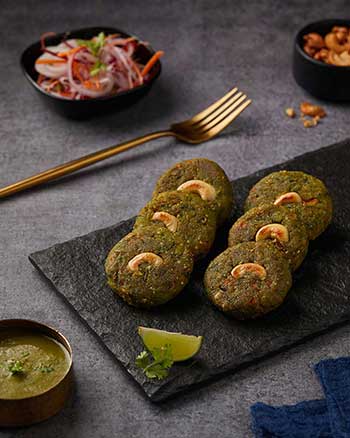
(90, 107)
(322, 80)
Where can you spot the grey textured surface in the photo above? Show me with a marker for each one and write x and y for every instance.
(209, 46)
(319, 296)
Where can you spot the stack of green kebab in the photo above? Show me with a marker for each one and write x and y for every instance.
(153, 263)
(284, 211)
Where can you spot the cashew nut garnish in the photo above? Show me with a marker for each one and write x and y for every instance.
(273, 231)
(288, 198)
(205, 190)
(168, 220)
(311, 202)
(294, 197)
(144, 257)
(253, 268)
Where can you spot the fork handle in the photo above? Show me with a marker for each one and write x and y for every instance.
(79, 163)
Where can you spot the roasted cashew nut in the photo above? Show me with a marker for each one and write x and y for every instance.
(308, 109)
(144, 257)
(340, 59)
(253, 268)
(333, 43)
(314, 40)
(168, 220)
(273, 231)
(205, 190)
(322, 55)
(288, 198)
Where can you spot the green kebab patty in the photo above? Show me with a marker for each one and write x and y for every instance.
(298, 190)
(204, 177)
(149, 266)
(185, 214)
(277, 223)
(248, 280)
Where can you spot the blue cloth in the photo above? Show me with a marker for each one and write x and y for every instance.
(328, 418)
(334, 376)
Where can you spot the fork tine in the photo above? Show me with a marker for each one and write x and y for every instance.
(214, 118)
(210, 109)
(225, 122)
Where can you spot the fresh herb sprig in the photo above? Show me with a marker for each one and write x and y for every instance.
(15, 367)
(156, 363)
(94, 45)
(46, 369)
(97, 67)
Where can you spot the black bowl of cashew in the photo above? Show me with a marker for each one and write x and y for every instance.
(321, 59)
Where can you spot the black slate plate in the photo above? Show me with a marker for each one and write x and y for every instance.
(320, 296)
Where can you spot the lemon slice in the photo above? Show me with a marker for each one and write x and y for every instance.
(183, 347)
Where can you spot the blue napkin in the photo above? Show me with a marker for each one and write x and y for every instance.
(328, 418)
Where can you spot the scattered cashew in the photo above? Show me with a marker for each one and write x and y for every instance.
(253, 268)
(144, 257)
(274, 231)
(288, 198)
(205, 190)
(169, 220)
(308, 109)
(290, 112)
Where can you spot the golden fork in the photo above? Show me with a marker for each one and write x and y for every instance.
(202, 127)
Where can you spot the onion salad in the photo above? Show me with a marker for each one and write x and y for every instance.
(87, 69)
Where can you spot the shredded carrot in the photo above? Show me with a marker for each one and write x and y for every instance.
(50, 61)
(92, 85)
(69, 52)
(77, 67)
(112, 35)
(151, 62)
(122, 41)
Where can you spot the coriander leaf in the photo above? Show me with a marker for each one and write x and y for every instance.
(94, 45)
(46, 368)
(163, 355)
(156, 371)
(15, 367)
(159, 367)
(97, 67)
(143, 360)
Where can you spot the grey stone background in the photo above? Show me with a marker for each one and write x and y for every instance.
(209, 46)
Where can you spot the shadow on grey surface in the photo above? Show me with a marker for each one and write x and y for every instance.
(98, 168)
(141, 113)
(95, 170)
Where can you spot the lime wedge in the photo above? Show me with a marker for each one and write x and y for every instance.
(183, 347)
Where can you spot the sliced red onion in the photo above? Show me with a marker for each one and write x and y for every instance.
(108, 85)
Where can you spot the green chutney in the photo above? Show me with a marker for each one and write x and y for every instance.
(30, 363)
